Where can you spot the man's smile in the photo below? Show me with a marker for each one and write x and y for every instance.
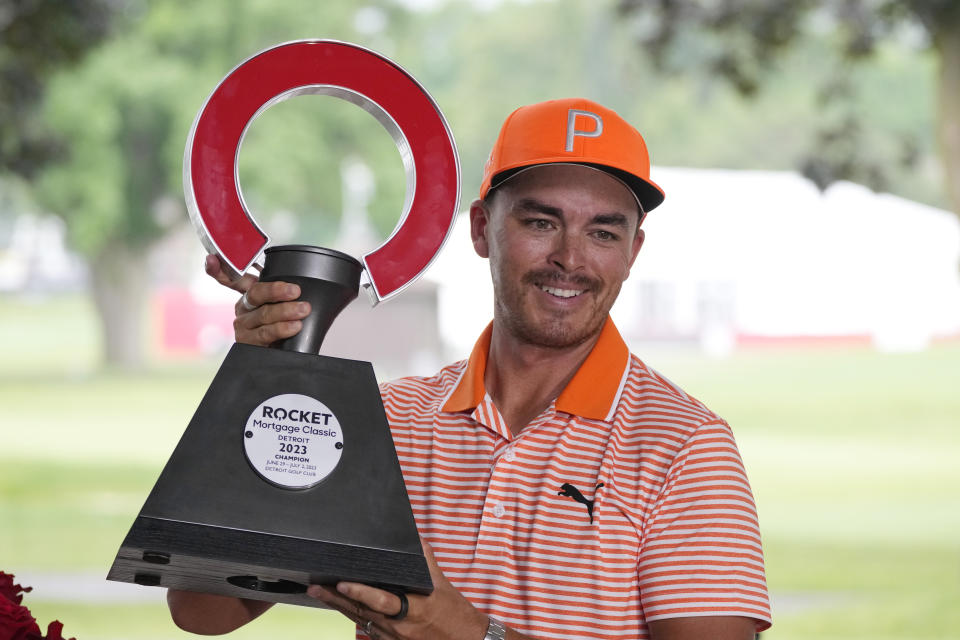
(560, 293)
(561, 286)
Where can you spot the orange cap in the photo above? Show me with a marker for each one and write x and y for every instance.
(577, 131)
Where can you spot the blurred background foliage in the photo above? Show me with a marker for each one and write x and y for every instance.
(851, 453)
(742, 42)
(100, 103)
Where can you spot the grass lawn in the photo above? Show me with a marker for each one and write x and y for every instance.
(853, 456)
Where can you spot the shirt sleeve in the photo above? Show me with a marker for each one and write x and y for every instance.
(700, 552)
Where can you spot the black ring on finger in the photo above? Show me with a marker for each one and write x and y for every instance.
(404, 607)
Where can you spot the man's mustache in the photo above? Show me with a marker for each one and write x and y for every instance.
(560, 280)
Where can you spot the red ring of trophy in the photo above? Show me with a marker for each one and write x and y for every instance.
(357, 75)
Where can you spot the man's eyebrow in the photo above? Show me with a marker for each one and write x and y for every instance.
(532, 204)
(611, 220)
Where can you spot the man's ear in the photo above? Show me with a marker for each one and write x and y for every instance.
(635, 248)
(637, 243)
(479, 217)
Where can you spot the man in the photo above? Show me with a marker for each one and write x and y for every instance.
(562, 488)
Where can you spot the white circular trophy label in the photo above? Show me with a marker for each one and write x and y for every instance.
(293, 441)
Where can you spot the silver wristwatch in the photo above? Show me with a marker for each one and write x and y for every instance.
(495, 630)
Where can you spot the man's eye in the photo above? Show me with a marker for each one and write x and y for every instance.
(539, 223)
(604, 235)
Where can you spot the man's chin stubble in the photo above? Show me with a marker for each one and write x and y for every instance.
(555, 335)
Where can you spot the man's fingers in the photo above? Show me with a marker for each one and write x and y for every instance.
(269, 311)
(377, 600)
(216, 270)
(427, 550)
(328, 595)
(267, 314)
(369, 602)
(436, 574)
(266, 335)
(265, 325)
(263, 293)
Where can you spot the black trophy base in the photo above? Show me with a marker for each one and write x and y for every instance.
(214, 523)
(259, 566)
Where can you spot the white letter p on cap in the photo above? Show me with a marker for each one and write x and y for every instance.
(572, 130)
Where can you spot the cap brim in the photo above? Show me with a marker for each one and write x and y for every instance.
(648, 194)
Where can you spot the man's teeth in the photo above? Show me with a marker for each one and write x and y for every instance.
(561, 293)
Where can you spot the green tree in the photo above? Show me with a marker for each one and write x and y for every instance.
(743, 40)
(36, 40)
(117, 113)
(124, 115)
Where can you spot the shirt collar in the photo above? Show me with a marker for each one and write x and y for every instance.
(592, 393)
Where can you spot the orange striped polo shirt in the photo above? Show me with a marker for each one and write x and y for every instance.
(624, 501)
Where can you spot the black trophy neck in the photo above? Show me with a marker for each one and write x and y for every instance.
(328, 279)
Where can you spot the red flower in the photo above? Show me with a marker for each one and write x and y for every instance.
(16, 623)
(55, 631)
(11, 591)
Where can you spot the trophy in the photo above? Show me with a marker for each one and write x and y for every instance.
(287, 474)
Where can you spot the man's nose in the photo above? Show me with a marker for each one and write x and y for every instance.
(568, 252)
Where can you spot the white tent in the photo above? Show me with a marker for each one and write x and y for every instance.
(737, 254)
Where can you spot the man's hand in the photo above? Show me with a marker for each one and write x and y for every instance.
(267, 312)
(443, 615)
